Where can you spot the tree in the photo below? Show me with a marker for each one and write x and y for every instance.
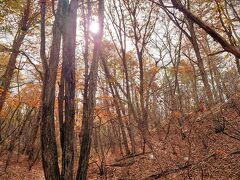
(118, 21)
(200, 63)
(90, 102)
(48, 137)
(69, 23)
(142, 32)
(65, 19)
(217, 37)
(25, 23)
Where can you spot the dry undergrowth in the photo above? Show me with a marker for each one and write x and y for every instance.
(207, 146)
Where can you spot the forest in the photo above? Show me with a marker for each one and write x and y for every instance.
(119, 89)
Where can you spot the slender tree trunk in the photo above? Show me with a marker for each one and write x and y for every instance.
(88, 114)
(116, 99)
(17, 42)
(48, 139)
(121, 30)
(200, 64)
(33, 136)
(102, 158)
(69, 46)
(213, 68)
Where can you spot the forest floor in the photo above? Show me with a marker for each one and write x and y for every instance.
(18, 169)
(206, 146)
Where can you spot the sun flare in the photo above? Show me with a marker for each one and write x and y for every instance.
(94, 27)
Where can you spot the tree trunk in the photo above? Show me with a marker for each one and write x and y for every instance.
(88, 114)
(116, 99)
(69, 46)
(200, 64)
(17, 42)
(48, 139)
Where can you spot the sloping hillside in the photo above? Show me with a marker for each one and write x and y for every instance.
(207, 146)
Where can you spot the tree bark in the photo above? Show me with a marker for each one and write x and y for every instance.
(48, 139)
(200, 64)
(17, 42)
(88, 114)
(69, 46)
